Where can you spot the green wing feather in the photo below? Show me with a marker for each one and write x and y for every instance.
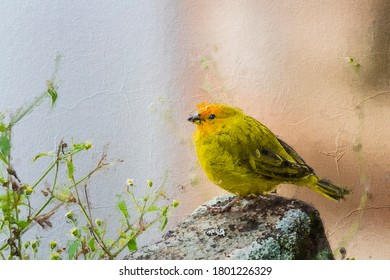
(270, 164)
(274, 158)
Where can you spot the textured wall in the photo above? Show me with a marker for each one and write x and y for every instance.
(286, 64)
(120, 75)
(132, 71)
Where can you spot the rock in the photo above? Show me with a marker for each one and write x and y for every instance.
(265, 228)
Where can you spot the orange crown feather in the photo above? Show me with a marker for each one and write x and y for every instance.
(208, 108)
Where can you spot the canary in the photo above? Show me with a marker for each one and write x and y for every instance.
(242, 156)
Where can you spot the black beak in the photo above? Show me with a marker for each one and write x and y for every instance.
(195, 118)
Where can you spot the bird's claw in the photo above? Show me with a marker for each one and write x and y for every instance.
(217, 209)
(221, 209)
(267, 196)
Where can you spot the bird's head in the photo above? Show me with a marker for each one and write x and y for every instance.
(214, 117)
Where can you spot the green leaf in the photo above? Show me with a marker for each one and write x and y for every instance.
(3, 197)
(3, 158)
(132, 245)
(69, 164)
(81, 147)
(39, 156)
(73, 247)
(91, 244)
(64, 195)
(3, 127)
(121, 204)
(153, 208)
(5, 146)
(53, 94)
(164, 223)
(22, 224)
(164, 211)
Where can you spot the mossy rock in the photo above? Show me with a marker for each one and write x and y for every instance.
(263, 228)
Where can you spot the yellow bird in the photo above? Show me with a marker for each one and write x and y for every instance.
(242, 156)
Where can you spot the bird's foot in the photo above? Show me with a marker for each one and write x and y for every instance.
(215, 209)
(225, 208)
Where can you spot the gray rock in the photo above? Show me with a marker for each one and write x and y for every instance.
(271, 227)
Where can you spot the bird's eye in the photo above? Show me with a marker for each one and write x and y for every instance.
(211, 116)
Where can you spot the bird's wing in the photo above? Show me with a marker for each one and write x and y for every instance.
(271, 157)
(293, 153)
(269, 163)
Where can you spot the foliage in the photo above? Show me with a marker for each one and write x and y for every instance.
(88, 238)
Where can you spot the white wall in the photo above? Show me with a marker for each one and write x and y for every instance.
(121, 69)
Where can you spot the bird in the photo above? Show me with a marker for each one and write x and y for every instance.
(244, 157)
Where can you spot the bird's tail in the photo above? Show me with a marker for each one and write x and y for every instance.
(329, 190)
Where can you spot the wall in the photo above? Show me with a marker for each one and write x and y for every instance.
(288, 65)
(118, 76)
(131, 72)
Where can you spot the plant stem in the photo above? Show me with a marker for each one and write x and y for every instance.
(135, 236)
(1, 254)
(19, 238)
(10, 195)
(76, 183)
(57, 165)
(3, 246)
(97, 236)
(118, 239)
(89, 221)
(23, 112)
(45, 174)
(132, 196)
(41, 209)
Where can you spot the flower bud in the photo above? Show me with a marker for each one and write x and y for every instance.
(175, 203)
(29, 190)
(53, 244)
(349, 59)
(69, 215)
(34, 245)
(75, 232)
(98, 222)
(55, 256)
(130, 182)
(88, 145)
(163, 194)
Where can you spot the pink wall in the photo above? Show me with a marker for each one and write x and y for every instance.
(286, 63)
